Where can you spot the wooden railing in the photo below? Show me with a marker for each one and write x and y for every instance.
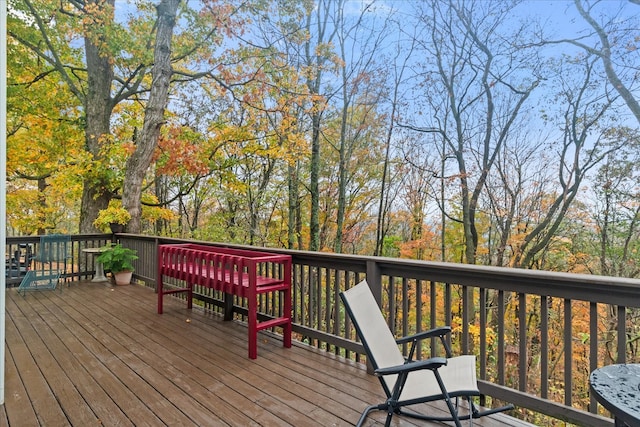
(81, 265)
(537, 334)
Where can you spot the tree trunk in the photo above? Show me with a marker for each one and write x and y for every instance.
(98, 106)
(42, 202)
(314, 221)
(139, 162)
(342, 172)
(316, 60)
(292, 181)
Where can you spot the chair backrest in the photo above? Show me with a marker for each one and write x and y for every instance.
(54, 248)
(378, 341)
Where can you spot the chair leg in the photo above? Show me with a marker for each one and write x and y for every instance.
(454, 412)
(367, 410)
(387, 422)
(392, 408)
(477, 413)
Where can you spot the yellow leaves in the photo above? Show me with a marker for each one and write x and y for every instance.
(113, 214)
(151, 214)
(251, 143)
(326, 51)
(233, 185)
(294, 148)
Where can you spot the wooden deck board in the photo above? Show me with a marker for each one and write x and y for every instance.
(49, 372)
(96, 355)
(188, 381)
(100, 352)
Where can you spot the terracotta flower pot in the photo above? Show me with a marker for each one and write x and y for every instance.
(123, 277)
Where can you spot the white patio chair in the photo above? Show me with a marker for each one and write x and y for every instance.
(409, 382)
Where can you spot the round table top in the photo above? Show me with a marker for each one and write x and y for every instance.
(93, 250)
(617, 388)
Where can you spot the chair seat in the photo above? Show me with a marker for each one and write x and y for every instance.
(39, 280)
(459, 377)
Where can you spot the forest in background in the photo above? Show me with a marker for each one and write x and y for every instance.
(490, 132)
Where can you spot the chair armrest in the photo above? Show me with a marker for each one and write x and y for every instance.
(435, 332)
(431, 363)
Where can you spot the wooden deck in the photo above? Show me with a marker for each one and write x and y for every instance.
(96, 355)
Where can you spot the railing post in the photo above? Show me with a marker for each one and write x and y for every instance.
(622, 334)
(156, 280)
(374, 279)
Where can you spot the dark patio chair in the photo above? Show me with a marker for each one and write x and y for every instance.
(17, 264)
(408, 382)
(48, 265)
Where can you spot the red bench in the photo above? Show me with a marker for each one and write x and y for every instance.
(244, 273)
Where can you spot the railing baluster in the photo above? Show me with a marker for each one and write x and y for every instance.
(448, 316)
(593, 350)
(465, 318)
(622, 335)
(483, 333)
(405, 311)
(391, 305)
(501, 353)
(433, 316)
(544, 346)
(568, 353)
(522, 338)
(419, 308)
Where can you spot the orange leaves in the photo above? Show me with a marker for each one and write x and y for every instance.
(422, 248)
(180, 151)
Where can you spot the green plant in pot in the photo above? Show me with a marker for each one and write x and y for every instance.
(114, 218)
(118, 260)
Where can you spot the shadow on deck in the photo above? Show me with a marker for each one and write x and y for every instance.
(97, 355)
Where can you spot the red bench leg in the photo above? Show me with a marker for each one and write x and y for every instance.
(286, 330)
(253, 326)
(160, 295)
